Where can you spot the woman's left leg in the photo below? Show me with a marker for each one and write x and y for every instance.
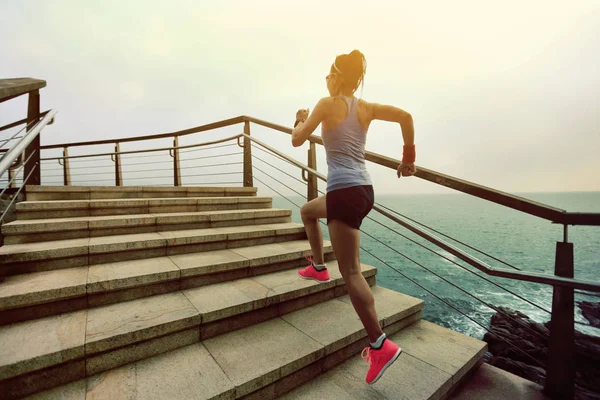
(346, 243)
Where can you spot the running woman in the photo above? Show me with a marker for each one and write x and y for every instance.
(345, 121)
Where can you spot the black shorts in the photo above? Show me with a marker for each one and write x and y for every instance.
(350, 205)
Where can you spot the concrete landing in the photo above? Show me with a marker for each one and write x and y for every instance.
(491, 383)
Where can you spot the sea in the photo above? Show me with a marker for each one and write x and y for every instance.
(457, 295)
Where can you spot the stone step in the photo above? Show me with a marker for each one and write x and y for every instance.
(32, 231)
(27, 210)
(434, 360)
(257, 362)
(92, 341)
(42, 193)
(43, 256)
(39, 294)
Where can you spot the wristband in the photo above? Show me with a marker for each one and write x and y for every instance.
(409, 154)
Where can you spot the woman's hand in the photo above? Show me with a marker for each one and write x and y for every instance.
(302, 115)
(406, 170)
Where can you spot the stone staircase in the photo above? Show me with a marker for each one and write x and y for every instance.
(192, 293)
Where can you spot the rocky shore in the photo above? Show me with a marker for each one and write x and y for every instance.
(533, 340)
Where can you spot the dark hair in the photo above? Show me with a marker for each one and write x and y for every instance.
(352, 67)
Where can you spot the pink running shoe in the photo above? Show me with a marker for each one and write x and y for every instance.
(311, 273)
(380, 360)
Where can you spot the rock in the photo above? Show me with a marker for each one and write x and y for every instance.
(591, 312)
(527, 353)
(534, 374)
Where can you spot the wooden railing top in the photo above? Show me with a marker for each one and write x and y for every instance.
(14, 87)
(201, 128)
(553, 214)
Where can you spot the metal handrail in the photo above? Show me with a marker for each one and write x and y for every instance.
(522, 204)
(11, 155)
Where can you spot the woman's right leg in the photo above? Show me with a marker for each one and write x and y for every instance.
(310, 213)
(381, 352)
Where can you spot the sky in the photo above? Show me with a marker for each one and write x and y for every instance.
(502, 94)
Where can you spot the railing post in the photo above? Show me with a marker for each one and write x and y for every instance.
(118, 172)
(313, 190)
(560, 378)
(66, 167)
(33, 114)
(176, 167)
(11, 175)
(248, 180)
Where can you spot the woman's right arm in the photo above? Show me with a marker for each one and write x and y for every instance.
(398, 115)
(395, 114)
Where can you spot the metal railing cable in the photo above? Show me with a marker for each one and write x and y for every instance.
(280, 170)
(147, 163)
(219, 155)
(274, 155)
(163, 177)
(9, 139)
(79, 158)
(23, 129)
(143, 170)
(207, 148)
(460, 266)
(217, 173)
(215, 183)
(210, 165)
(449, 237)
(86, 173)
(539, 363)
(93, 166)
(130, 156)
(17, 172)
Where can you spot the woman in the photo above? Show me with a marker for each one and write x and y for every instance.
(350, 196)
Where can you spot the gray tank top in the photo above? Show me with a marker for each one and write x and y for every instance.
(345, 149)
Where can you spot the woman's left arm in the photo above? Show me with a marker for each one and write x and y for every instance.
(305, 128)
